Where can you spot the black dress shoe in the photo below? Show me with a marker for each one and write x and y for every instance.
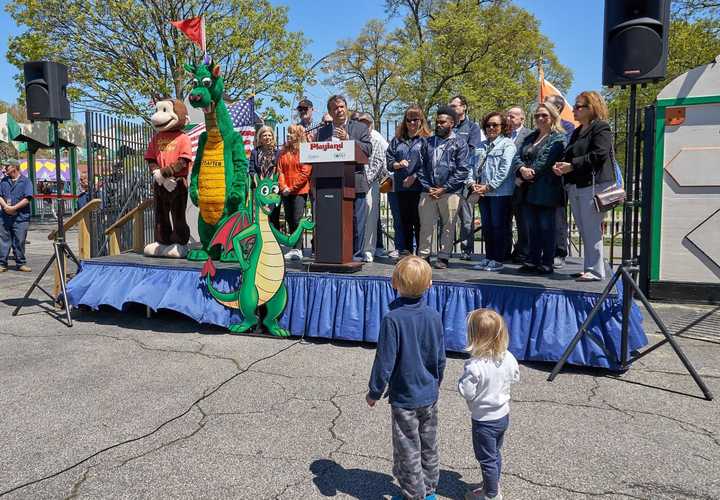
(545, 270)
(528, 269)
(441, 264)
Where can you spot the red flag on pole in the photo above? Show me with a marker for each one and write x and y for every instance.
(194, 29)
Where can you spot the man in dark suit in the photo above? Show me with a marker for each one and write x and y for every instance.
(516, 118)
(342, 129)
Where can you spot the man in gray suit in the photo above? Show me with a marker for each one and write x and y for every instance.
(343, 129)
(516, 117)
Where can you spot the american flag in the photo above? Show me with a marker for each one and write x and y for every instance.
(242, 115)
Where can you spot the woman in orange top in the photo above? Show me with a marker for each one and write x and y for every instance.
(294, 181)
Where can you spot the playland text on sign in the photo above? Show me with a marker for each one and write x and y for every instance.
(319, 152)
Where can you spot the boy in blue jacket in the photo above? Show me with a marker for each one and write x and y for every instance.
(410, 361)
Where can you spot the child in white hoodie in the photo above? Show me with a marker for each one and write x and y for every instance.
(485, 385)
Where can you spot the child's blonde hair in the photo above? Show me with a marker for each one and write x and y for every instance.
(412, 277)
(487, 334)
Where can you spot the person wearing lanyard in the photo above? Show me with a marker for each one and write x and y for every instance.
(16, 191)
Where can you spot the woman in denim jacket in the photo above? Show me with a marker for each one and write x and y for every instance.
(534, 164)
(493, 182)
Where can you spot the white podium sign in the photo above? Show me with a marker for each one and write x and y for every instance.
(327, 152)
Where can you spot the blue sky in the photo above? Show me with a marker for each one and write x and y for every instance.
(575, 27)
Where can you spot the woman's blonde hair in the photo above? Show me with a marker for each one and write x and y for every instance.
(596, 104)
(555, 121)
(412, 277)
(297, 131)
(487, 334)
(259, 133)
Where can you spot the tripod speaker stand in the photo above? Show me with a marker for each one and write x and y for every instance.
(60, 246)
(627, 272)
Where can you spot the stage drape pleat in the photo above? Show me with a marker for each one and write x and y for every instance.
(541, 321)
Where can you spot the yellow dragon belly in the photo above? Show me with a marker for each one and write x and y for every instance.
(211, 181)
(271, 265)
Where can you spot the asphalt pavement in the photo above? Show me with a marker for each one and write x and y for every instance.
(121, 406)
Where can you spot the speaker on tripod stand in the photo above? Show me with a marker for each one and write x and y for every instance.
(46, 100)
(635, 51)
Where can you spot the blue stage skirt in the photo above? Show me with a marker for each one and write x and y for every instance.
(541, 321)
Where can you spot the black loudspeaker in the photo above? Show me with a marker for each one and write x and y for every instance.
(635, 48)
(46, 91)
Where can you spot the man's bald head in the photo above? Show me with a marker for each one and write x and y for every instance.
(516, 117)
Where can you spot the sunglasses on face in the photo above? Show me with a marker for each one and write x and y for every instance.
(412, 120)
(493, 125)
(580, 106)
(302, 110)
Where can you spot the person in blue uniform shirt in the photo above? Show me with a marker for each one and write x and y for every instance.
(16, 191)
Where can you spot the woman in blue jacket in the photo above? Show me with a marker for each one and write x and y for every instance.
(493, 182)
(402, 157)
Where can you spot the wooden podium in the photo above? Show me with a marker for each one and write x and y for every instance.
(333, 177)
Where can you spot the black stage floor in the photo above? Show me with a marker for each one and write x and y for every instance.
(459, 272)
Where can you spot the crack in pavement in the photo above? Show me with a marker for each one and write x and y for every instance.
(76, 486)
(140, 344)
(570, 490)
(671, 490)
(680, 374)
(200, 425)
(333, 435)
(630, 413)
(694, 428)
(158, 428)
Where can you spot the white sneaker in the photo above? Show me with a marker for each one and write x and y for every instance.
(297, 255)
(494, 266)
(367, 257)
(290, 255)
(394, 254)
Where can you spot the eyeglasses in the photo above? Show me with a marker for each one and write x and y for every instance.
(541, 115)
(580, 106)
(412, 120)
(493, 125)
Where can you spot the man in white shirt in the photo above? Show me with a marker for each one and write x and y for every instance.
(373, 172)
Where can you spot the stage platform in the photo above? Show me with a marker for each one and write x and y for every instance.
(542, 312)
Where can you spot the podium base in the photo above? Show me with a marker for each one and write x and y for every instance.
(325, 267)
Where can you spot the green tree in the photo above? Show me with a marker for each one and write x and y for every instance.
(121, 53)
(488, 50)
(367, 70)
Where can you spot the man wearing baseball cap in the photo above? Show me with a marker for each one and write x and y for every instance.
(16, 191)
(305, 115)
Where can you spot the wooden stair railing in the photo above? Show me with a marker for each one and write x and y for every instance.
(81, 218)
(138, 239)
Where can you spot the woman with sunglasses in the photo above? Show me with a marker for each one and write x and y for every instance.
(402, 158)
(587, 168)
(543, 190)
(493, 182)
(263, 162)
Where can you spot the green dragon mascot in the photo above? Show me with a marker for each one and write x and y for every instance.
(261, 263)
(219, 179)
